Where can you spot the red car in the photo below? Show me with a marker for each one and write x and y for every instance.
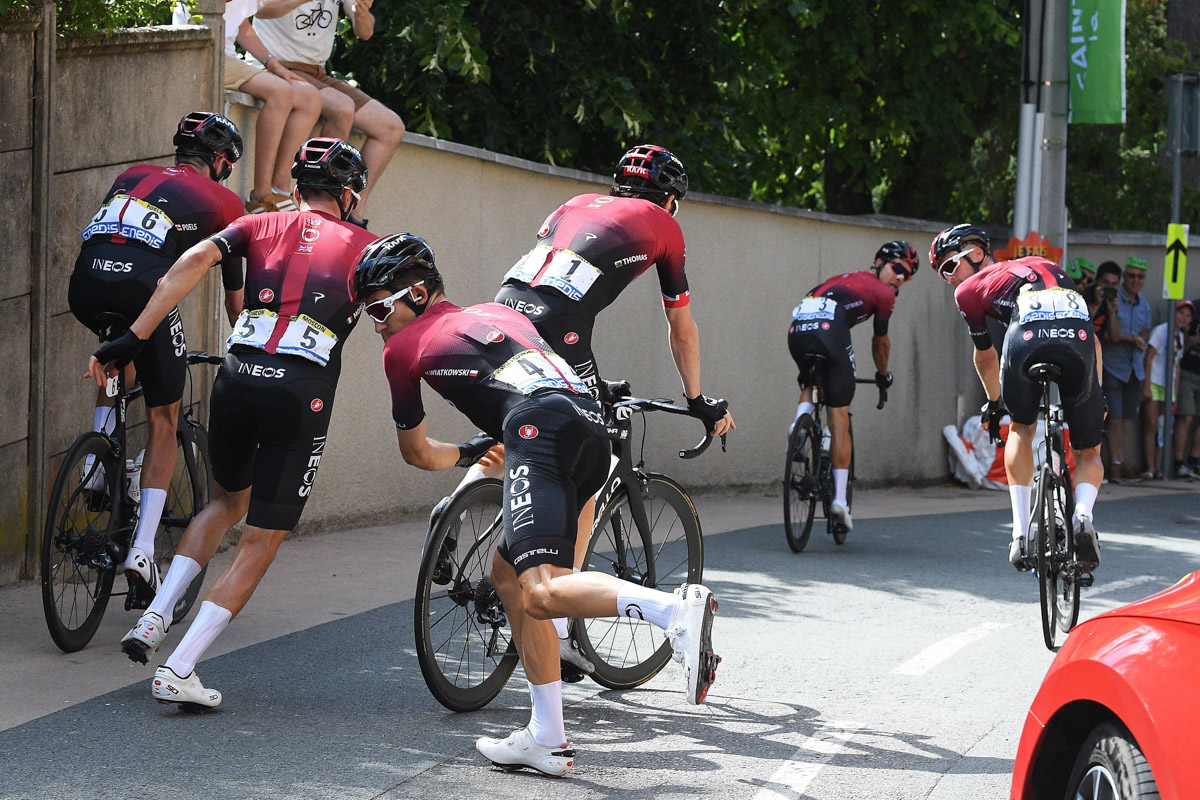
(1118, 713)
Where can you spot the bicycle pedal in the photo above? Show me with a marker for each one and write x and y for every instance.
(570, 673)
(137, 652)
(1085, 580)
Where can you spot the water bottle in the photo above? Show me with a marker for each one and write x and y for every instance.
(824, 438)
(133, 471)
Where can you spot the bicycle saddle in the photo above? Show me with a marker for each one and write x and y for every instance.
(113, 325)
(1045, 372)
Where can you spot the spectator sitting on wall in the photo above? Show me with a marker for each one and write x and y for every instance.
(1155, 394)
(300, 33)
(1123, 343)
(1188, 399)
(291, 107)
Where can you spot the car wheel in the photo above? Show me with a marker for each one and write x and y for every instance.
(1111, 766)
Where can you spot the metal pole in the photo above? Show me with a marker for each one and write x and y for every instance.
(1025, 156)
(1174, 124)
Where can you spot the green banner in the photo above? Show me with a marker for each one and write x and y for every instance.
(1096, 51)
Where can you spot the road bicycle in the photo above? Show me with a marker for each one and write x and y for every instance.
(808, 471)
(93, 512)
(1059, 574)
(646, 531)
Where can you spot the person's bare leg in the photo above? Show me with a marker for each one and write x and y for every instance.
(338, 110)
(276, 95)
(384, 130)
(306, 110)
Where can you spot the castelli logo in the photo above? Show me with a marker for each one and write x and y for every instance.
(1028, 335)
(316, 405)
(824, 326)
(266, 295)
(1082, 335)
(495, 336)
(545, 229)
(528, 432)
(571, 338)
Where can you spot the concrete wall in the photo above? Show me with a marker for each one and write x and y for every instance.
(748, 265)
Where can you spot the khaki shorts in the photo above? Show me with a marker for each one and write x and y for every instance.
(1189, 393)
(318, 77)
(238, 72)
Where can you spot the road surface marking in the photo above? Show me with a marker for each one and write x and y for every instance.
(794, 775)
(938, 652)
(1116, 586)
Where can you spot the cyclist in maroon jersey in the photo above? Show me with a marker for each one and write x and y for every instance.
(1048, 322)
(821, 326)
(150, 216)
(272, 398)
(490, 363)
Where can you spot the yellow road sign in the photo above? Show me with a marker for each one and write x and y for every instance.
(1176, 266)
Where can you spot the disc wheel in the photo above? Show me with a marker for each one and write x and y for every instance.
(464, 645)
(77, 563)
(800, 485)
(670, 553)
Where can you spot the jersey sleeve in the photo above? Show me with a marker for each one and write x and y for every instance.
(970, 305)
(672, 279)
(885, 304)
(405, 386)
(233, 275)
(232, 241)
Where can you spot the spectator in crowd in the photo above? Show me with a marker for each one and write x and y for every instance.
(1188, 399)
(1101, 296)
(1082, 272)
(1155, 393)
(291, 107)
(300, 33)
(1127, 330)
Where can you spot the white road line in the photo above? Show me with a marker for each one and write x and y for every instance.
(794, 775)
(938, 652)
(1116, 586)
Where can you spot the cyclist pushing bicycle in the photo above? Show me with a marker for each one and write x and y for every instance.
(490, 363)
(1048, 323)
(821, 327)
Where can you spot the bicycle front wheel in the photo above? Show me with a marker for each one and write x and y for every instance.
(188, 494)
(464, 645)
(77, 551)
(800, 485)
(668, 554)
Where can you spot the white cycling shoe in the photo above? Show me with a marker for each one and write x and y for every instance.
(167, 687)
(145, 637)
(518, 749)
(139, 566)
(840, 513)
(690, 634)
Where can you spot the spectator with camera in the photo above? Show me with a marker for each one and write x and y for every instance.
(1101, 296)
(1126, 331)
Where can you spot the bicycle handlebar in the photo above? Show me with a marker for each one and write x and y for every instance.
(882, 391)
(201, 357)
(663, 404)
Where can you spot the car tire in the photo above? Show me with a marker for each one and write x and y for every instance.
(1110, 764)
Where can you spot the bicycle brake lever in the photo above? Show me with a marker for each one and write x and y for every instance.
(723, 450)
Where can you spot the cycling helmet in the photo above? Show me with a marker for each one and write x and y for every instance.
(1136, 263)
(954, 238)
(650, 172)
(898, 250)
(1077, 266)
(383, 262)
(332, 164)
(206, 134)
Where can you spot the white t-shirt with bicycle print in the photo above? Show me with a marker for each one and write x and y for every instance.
(304, 34)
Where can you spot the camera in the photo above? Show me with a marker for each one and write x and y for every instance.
(1108, 292)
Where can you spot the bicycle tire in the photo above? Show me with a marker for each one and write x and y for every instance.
(464, 646)
(837, 531)
(1053, 570)
(187, 495)
(799, 485)
(1067, 596)
(77, 564)
(628, 652)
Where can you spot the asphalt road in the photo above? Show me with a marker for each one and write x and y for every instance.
(899, 665)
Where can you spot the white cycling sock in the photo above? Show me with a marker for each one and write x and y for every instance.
(840, 478)
(474, 473)
(149, 515)
(104, 419)
(546, 719)
(179, 577)
(1020, 497)
(641, 602)
(562, 625)
(803, 408)
(210, 620)
(1085, 498)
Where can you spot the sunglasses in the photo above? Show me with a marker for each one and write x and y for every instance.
(901, 269)
(380, 310)
(1137, 276)
(947, 267)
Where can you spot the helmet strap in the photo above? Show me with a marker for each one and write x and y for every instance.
(345, 211)
(417, 310)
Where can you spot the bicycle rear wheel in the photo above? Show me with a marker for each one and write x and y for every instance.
(1057, 587)
(626, 651)
(464, 645)
(77, 562)
(187, 495)
(800, 484)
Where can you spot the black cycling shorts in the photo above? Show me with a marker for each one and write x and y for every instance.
(268, 421)
(556, 456)
(1070, 345)
(829, 338)
(162, 363)
(562, 323)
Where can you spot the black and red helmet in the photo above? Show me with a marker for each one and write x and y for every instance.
(900, 251)
(383, 262)
(330, 164)
(205, 134)
(650, 172)
(956, 238)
